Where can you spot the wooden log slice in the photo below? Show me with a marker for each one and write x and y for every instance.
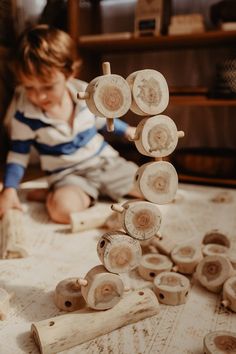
(213, 249)
(220, 342)
(186, 257)
(140, 219)
(104, 289)
(134, 107)
(171, 288)
(215, 236)
(157, 136)
(152, 265)
(157, 181)
(213, 271)
(150, 91)
(67, 295)
(119, 252)
(4, 303)
(229, 293)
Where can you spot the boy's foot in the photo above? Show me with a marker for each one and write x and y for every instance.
(37, 195)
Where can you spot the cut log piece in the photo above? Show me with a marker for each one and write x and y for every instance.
(213, 271)
(150, 92)
(220, 342)
(63, 332)
(119, 252)
(140, 219)
(213, 249)
(157, 182)
(171, 288)
(152, 265)
(4, 303)
(157, 136)
(68, 295)
(229, 293)
(134, 107)
(13, 233)
(215, 236)
(103, 290)
(186, 257)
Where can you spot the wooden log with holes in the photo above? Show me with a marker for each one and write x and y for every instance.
(220, 342)
(66, 331)
(229, 293)
(140, 219)
(157, 136)
(157, 181)
(186, 257)
(107, 96)
(213, 271)
(68, 296)
(118, 252)
(152, 265)
(213, 249)
(217, 237)
(171, 288)
(149, 91)
(12, 235)
(5, 298)
(103, 289)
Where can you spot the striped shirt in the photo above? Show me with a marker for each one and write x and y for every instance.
(61, 148)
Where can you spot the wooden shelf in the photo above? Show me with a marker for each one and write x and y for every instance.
(126, 41)
(201, 100)
(212, 181)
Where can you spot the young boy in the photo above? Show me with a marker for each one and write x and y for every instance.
(80, 165)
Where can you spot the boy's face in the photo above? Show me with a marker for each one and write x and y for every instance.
(45, 93)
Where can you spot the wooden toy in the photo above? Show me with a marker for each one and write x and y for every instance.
(217, 237)
(68, 295)
(229, 294)
(63, 332)
(150, 92)
(140, 219)
(213, 271)
(162, 244)
(5, 298)
(157, 181)
(153, 264)
(171, 288)
(119, 252)
(213, 248)
(157, 136)
(12, 237)
(108, 96)
(186, 257)
(220, 342)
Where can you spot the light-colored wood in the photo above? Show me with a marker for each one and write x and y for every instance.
(217, 237)
(213, 271)
(67, 295)
(157, 181)
(134, 107)
(186, 257)
(220, 342)
(157, 136)
(213, 249)
(163, 244)
(119, 252)
(171, 288)
(229, 294)
(140, 219)
(4, 303)
(13, 234)
(103, 290)
(66, 331)
(152, 265)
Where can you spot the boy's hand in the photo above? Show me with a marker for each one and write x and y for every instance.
(130, 133)
(9, 200)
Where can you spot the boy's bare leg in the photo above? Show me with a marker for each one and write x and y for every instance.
(64, 201)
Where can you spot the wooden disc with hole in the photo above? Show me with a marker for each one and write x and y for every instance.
(217, 237)
(104, 289)
(186, 257)
(141, 219)
(220, 342)
(119, 252)
(213, 271)
(214, 249)
(157, 181)
(134, 108)
(157, 136)
(229, 293)
(68, 295)
(171, 288)
(152, 265)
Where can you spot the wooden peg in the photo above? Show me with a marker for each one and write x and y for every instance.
(220, 342)
(4, 303)
(119, 252)
(66, 331)
(12, 237)
(171, 288)
(103, 290)
(214, 249)
(186, 257)
(217, 237)
(152, 265)
(229, 294)
(163, 244)
(157, 181)
(67, 295)
(213, 271)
